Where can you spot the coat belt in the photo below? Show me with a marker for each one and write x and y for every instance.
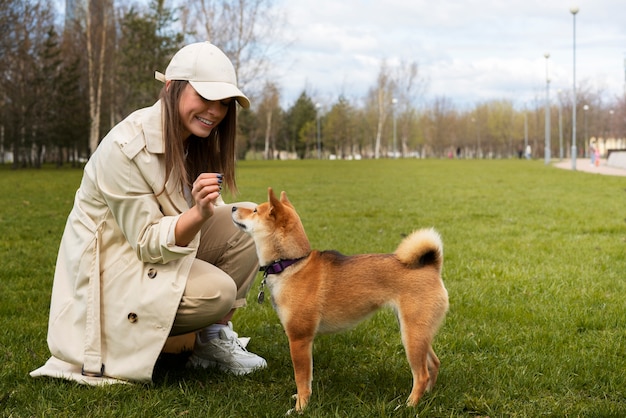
(92, 360)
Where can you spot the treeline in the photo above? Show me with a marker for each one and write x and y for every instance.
(69, 76)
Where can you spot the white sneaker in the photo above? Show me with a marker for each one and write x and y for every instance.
(226, 353)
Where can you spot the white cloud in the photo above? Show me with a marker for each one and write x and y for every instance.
(468, 50)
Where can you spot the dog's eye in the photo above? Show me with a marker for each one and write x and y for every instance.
(254, 210)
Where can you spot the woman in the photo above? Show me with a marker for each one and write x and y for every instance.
(149, 248)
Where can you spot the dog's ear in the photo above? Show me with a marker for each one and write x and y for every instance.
(283, 197)
(284, 200)
(275, 204)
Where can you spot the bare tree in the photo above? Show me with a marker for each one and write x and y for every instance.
(381, 96)
(269, 107)
(26, 28)
(96, 28)
(441, 118)
(410, 88)
(246, 30)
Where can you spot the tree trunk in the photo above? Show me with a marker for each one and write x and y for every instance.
(96, 76)
(268, 134)
(381, 120)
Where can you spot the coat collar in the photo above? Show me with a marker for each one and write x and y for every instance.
(152, 127)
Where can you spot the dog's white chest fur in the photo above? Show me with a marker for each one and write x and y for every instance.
(275, 287)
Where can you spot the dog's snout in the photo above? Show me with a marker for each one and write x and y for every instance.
(234, 209)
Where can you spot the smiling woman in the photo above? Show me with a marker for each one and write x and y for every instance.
(149, 250)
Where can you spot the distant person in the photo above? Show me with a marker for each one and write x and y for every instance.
(149, 249)
(592, 153)
(528, 152)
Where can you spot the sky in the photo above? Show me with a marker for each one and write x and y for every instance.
(468, 51)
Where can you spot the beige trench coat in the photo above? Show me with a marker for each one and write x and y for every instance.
(118, 281)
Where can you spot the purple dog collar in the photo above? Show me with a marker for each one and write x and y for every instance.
(278, 266)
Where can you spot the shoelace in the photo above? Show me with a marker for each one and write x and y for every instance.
(233, 339)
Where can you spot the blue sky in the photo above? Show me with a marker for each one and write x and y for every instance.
(468, 50)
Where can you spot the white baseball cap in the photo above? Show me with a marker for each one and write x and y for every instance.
(208, 70)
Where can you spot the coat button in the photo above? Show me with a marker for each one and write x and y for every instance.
(132, 317)
(152, 273)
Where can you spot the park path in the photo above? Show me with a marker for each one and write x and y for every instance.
(584, 164)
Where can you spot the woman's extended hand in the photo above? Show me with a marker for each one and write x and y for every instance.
(205, 191)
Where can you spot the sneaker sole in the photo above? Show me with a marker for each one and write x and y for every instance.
(197, 362)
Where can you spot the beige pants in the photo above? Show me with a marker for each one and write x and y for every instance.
(221, 275)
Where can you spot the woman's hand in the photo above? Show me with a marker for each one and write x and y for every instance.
(205, 191)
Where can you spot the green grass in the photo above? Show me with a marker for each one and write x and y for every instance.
(535, 265)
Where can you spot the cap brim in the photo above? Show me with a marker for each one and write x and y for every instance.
(214, 90)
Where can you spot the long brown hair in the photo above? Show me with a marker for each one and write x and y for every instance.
(186, 161)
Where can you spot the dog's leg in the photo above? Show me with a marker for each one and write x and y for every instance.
(301, 350)
(433, 368)
(417, 354)
(416, 337)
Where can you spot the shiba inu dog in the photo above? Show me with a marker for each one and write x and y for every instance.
(324, 291)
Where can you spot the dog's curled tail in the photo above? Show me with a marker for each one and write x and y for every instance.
(421, 248)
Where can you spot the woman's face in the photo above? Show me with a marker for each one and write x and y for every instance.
(199, 115)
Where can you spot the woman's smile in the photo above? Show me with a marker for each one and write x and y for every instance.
(199, 115)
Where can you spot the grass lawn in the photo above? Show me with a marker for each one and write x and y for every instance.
(535, 266)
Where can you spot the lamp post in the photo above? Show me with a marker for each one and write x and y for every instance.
(585, 109)
(560, 127)
(610, 125)
(546, 149)
(573, 11)
(319, 141)
(394, 102)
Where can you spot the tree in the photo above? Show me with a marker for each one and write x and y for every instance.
(381, 97)
(301, 120)
(409, 90)
(146, 44)
(97, 21)
(267, 109)
(27, 26)
(339, 132)
(47, 107)
(441, 118)
(248, 134)
(248, 31)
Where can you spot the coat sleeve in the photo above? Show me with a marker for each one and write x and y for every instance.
(129, 189)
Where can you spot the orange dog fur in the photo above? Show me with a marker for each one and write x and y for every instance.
(323, 292)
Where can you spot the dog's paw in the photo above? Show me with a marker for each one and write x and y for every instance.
(296, 410)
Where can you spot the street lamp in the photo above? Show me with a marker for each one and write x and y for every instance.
(394, 102)
(319, 141)
(560, 127)
(585, 109)
(546, 149)
(573, 11)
